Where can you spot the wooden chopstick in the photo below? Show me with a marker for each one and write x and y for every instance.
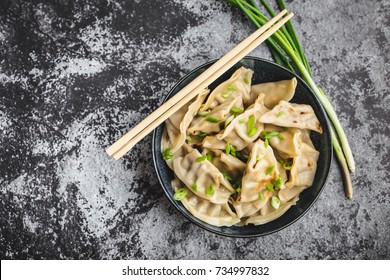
(124, 144)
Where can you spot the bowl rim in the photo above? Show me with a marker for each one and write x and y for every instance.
(191, 217)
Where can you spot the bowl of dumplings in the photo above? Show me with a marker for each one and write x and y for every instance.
(249, 155)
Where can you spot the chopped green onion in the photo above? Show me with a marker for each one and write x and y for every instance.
(246, 81)
(261, 195)
(270, 188)
(251, 122)
(229, 120)
(227, 148)
(280, 114)
(231, 88)
(241, 121)
(203, 113)
(232, 151)
(269, 134)
(180, 194)
(225, 95)
(287, 165)
(275, 202)
(189, 139)
(227, 177)
(246, 156)
(258, 158)
(200, 159)
(238, 190)
(266, 143)
(236, 110)
(195, 187)
(212, 120)
(252, 132)
(281, 161)
(269, 170)
(278, 182)
(210, 190)
(280, 136)
(167, 154)
(202, 134)
(209, 157)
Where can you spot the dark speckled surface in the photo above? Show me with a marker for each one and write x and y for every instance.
(75, 75)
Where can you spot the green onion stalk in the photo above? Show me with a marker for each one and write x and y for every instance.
(287, 51)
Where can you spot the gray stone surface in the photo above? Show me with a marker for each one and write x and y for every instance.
(74, 76)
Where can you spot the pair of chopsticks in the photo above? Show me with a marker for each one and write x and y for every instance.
(126, 142)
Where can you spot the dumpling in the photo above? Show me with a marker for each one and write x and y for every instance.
(274, 91)
(287, 142)
(268, 213)
(228, 164)
(237, 133)
(202, 177)
(239, 85)
(179, 122)
(211, 123)
(304, 167)
(261, 169)
(288, 114)
(214, 214)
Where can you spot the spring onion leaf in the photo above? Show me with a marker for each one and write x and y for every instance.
(180, 194)
(280, 136)
(225, 95)
(261, 195)
(203, 113)
(280, 114)
(212, 120)
(281, 161)
(275, 202)
(231, 87)
(277, 182)
(209, 157)
(241, 121)
(246, 81)
(167, 154)
(251, 123)
(270, 188)
(236, 110)
(202, 134)
(269, 134)
(259, 157)
(210, 190)
(227, 148)
(269, 170)
(287, 165)
(200, 159)
(195, 187)
(227, 177)
(189, 138)
(252, 132)
(266, 143)
(238, 189)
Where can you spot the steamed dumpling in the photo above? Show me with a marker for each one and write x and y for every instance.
(239, 85)
(288, 114)
(274, 91)
(288, 141)
(214, 214)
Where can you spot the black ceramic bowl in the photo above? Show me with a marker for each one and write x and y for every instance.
(264, 71)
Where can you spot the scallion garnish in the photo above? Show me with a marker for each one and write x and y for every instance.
(280, 114)
(287, 165)
(202, 134)
(209, 157)
(167, 154)
(246, 81)
(210, 190)
(232, 151)
(238, 190)
(241, 121)
(212, 120)
(266, 143)
(269, 170)
(280, 136)
(225, 95)
(231, 87)
(203, 113)
(180, 194)
(189, 138)
(261, 195)
(278, 182)
(195, 187)
(227, 148)
(275, 202)
(258, 157)
(269, 134)
(270, 188)
(252, 132)
(200, 159)
(236, 110)
(251, 123)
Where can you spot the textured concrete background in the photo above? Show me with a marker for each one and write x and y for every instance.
(75, 75)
